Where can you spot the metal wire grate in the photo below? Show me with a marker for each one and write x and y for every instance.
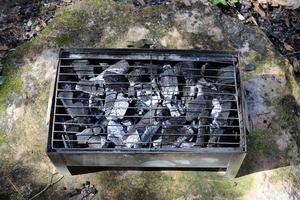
(150, 101)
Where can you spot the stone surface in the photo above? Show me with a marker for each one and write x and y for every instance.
(290, 4)
(271, 92)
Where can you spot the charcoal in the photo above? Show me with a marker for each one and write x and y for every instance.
(120, 107)
(109, 102)
(91, 87)
(146, 120)
(144, 92)
(169, 87)
(187, 145)
(188, 133)
(114, 74)
(226, 77)
(220, 110)
(136, 75)
(171, 130)
(195, 108)
(96, 141)
(157, 142)
(73, 109)
(150, 131)
(82, 69)
(176, 121)
(131, 91)
(86, 134)
(69, 127)
(115, 81)
(96, 106)
(169, 136)
(202, 122)
(115, 133)
(144, 106)
(132, 140)
(186, 69)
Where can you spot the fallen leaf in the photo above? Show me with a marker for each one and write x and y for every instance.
(288, 47)
(3, 47)
(296, 65)
(257, 8)
(43, 23)
(67, 1)
(18, 18)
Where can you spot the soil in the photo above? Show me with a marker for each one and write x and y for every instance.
(281, 25)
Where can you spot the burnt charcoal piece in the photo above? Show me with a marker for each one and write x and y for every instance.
(202, 130)
(113, 76)
(187, 132)
(220, 110)
(109, 102)
(162, 114)
(137, 75)
(86, 134)
(82, 69)
(120, 107)
(146, 120)
(91, 87)
(171, 130)
(115, 81)
(73, 109)
(226, 77)
(70, 127)
(96, 106)
(189, 72)
(132, 140)
(195, 108)
(97, 141)
(115, 133)
(169, 87)
(150, 131)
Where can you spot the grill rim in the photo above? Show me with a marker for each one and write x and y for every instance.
(229, 57)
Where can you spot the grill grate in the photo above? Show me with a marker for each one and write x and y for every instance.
(150, 101)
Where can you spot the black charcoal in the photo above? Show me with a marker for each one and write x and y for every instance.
(115, 133)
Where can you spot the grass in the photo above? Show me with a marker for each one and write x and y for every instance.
(212, 186)
(160, 185)
(62, 40)
(97, 3)
(2, 138)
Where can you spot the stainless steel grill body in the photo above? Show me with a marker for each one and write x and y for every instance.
(201, 92)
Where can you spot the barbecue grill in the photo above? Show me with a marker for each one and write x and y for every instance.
(147, 109)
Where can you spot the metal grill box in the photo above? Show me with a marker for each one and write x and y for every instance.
(147, 109)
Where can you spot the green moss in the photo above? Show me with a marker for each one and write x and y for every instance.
(97, 3)
(262, 146)
(13, 84)
(62, 39)
(2, 139)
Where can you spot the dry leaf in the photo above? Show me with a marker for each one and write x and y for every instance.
(296, 65)
(3, 47)
(288, 47)
(259, 10)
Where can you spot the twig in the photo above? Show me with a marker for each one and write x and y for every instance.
(296, 52)
(15, 187)
(47, 187)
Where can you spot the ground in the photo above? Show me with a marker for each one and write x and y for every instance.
(271, 168)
